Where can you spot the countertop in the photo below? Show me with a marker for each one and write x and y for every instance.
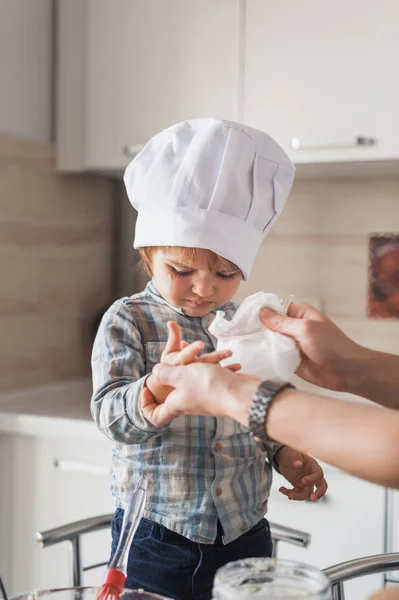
(61, 409)
(66, 399)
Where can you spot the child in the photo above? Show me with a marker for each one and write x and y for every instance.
(207, 192)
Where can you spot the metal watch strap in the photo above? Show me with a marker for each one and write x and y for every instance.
(260, 404)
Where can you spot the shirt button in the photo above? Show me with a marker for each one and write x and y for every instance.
(218, 447)
(219, 491)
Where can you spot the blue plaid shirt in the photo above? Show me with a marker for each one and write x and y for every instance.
(200, 469)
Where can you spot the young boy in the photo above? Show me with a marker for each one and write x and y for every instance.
(207, 192)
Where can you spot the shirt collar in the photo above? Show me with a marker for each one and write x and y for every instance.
(152, 289)
(156, 294)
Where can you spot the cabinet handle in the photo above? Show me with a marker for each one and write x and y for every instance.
(359, 142)
(131, 150)
(74, 466)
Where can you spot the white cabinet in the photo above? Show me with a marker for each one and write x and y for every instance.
(71, 483)
(324, 74)
(40, 495)
(128, 69)
(347, 524)
(392, 528)
(318, 76)
(26, 69)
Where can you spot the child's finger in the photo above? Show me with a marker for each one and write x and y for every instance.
(320, 491)
(305, 495)
(285, 491)
(183, 345)
(188, 354)
(215, 357)
(234, 367)
(174, 339)
(313, 479)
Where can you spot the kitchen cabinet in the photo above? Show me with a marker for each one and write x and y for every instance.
(51, 480)
(348, 523)
(321, 78)
(318, 76)
(74, 476)
(26, 67)
(392, 529)
(128, 69)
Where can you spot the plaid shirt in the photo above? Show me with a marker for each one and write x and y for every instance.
(200, 469)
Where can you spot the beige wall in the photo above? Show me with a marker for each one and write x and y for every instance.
(55, 253)
(318, 251)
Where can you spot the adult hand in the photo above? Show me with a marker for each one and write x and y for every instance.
(328, 357)
(200, 389)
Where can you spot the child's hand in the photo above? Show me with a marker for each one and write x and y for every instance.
(303, 472)
(177, 352)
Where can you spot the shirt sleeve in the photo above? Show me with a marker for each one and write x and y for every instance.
(118, 371)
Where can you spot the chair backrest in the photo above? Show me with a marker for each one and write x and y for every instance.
(73, 532)
(351, 569)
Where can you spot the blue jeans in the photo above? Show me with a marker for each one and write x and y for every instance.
(166, 563)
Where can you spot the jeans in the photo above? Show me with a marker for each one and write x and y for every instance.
(166, 563)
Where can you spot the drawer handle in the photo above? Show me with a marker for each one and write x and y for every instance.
(359, 142)
(131, 150)
(75, 466)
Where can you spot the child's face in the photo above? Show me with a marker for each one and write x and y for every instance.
(193, 287)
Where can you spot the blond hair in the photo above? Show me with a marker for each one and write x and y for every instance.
(189, 256)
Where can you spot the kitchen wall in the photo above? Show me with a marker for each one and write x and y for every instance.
(318, 251)
(55, 265)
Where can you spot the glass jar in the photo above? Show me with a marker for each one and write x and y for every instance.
(270, 579)
(84, 593)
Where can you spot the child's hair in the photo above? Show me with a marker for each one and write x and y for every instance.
(189, 256)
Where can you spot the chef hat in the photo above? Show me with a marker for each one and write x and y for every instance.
(208, 183)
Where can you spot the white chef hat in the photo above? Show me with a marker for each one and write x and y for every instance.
(209, 183)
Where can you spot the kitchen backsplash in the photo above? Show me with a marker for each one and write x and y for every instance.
(55, 265)
(318, 251)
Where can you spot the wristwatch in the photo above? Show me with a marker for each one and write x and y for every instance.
(260, 405)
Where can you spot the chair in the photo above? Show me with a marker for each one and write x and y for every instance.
(368, 565)
(73, 532)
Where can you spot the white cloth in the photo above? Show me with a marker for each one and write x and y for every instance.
(208, 183)
(261, 352)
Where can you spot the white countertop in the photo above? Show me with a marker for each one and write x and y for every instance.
(61, 409)
(49, 427)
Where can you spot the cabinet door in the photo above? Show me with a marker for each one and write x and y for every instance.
(153, 63)
(346, 524)
(392, 528)
(324, 73)
(71, 483)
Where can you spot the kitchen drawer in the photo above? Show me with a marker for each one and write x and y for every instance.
(73, 476)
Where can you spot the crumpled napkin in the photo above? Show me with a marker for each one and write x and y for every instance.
(261, 352)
